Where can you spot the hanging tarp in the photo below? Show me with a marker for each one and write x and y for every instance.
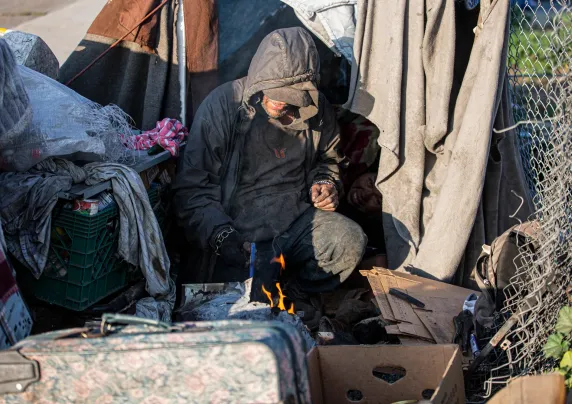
(436, 89)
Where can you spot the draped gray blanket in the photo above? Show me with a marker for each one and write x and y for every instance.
(436, 90)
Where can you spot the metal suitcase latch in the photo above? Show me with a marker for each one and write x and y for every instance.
(17, 372)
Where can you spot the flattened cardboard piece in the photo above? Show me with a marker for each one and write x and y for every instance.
(442, 303)
(417, 330)
(421, 287)
(394, 308)
(402, 310)
(409, 341)
(546, 389)
(428, 367)
(392, 329)
(408, 330)
(440, 326)
(391, 307)
(381, 298)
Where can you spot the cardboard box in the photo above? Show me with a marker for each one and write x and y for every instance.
(164, 172)
(546, 389)
(149, 175)
(359, 371)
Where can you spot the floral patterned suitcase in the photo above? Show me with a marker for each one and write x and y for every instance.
(132, 360)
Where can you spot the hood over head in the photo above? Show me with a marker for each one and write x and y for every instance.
(286, 59)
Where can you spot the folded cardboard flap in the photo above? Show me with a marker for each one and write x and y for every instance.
(386, 374)
(315, 375)
(546, 389)
(451, 389)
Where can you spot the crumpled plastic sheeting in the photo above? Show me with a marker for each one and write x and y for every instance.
(63, 124)
(235, 304)
(333, 21)
(15, 110)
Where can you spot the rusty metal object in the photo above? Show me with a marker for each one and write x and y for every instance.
(495, 340)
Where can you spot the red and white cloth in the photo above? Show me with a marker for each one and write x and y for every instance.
(169, 133)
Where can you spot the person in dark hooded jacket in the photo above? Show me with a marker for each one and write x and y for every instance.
(262, 165)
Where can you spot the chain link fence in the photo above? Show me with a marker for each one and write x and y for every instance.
(540, 53)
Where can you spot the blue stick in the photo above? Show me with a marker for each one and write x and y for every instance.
(252, 258)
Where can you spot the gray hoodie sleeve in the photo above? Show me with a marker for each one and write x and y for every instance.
(198, 186)
(329, 157)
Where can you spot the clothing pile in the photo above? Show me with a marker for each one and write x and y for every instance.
(26, 209)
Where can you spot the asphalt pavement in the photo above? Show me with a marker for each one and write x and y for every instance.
(60, 23)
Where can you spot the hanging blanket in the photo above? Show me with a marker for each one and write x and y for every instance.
(436, 89)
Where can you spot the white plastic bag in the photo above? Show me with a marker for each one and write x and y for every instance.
(64, 124)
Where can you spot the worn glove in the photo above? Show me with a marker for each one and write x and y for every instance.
(230, 245)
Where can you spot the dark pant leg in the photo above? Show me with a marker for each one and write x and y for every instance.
(326, 247)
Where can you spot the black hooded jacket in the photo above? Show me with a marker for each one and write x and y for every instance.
(242, 168)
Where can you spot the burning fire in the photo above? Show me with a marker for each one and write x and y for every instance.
(280, 260)
(281, 297)
(268, 295)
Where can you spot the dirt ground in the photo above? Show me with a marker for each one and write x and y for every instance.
(16, 12)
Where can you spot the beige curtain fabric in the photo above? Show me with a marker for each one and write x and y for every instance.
(435, 89)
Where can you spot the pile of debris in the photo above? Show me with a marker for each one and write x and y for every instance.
(416, 307)
(396, 319)
(396, 308)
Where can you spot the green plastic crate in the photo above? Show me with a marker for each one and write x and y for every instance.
(75, 297)
(83, 266)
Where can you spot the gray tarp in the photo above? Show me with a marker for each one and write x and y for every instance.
(333, 21)
(443, 171)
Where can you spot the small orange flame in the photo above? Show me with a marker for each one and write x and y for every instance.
(280, 260)
(280, 297)
(268, 295)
